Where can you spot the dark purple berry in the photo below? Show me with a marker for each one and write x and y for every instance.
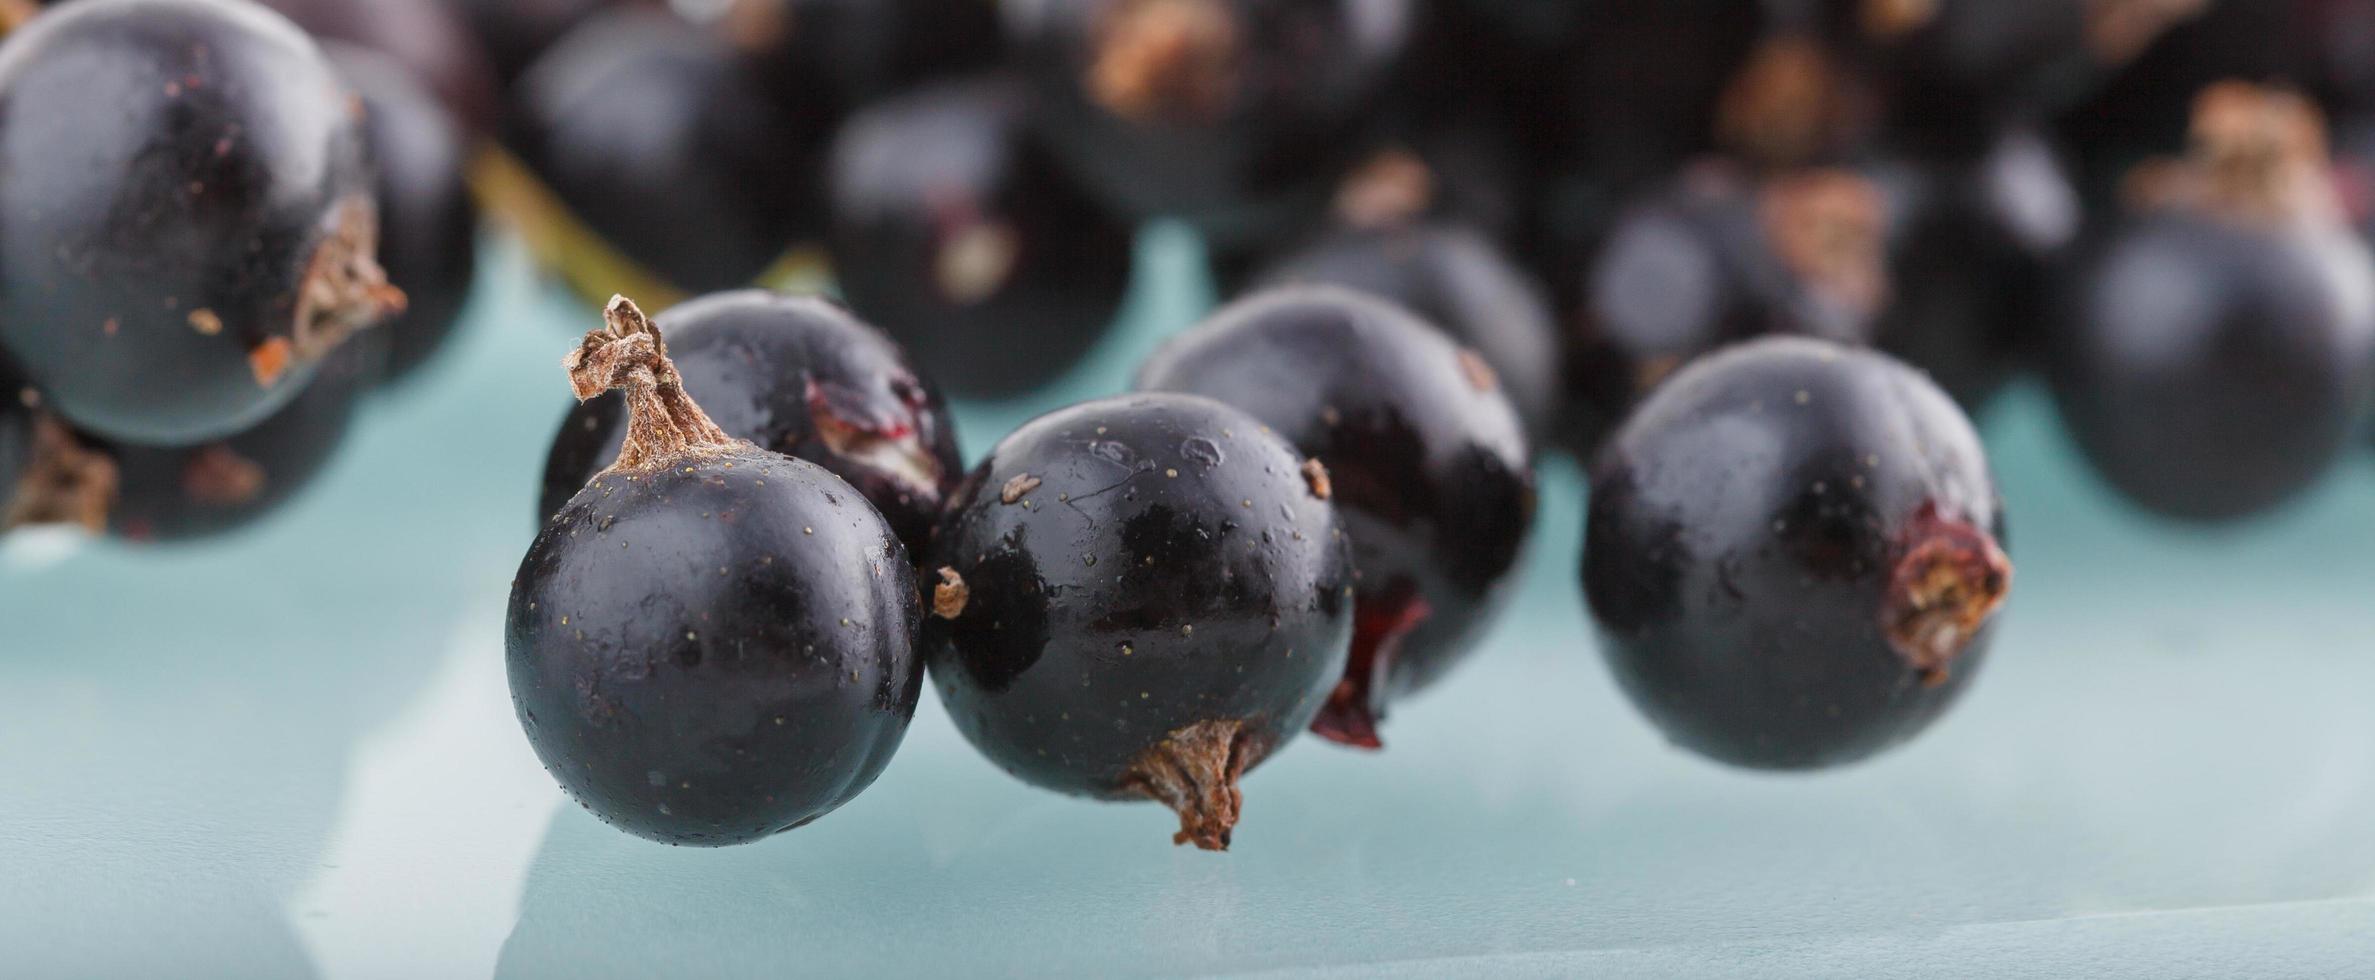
(1715, 260)
(1975, 253)
(798, 376)
(711, 642)
(514, 33)
(1237, 115)
(428, 220)
(830, 57)
(960, 235)
(1460, 282)
(660, 147)
(1427, 459)
(200, 491)
(1792, 553)
(425, 37)
(2221, 351)
(1140, 598)
(190, 225)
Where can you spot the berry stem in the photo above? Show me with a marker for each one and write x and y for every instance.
(1194, 771)
(629, 355)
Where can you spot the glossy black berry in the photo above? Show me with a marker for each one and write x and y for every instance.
(200, 491)
(1636, 90)
(662, 150)
(514, 33)
(428, 220)
(2221, 348)
(798, 376)
(1716, 259)
(1792, 554)
(1975, 257)
(1427, 458)
(190, 225)
(1237, 115)
(433, 46)
(962, 237)
(1140, 597)
(829, 57)
(712, 642)
(1458, 281)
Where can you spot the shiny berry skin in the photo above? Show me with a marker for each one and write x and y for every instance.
(428, 221)
(1716, 259)
(2220, 351)
(962, 237)
(1139, 597)
(711, 643)
(1236, 115)
(196, 492)
(1792, 554)
(1427, 458)
(1459, 282)
(833, 56)
(798, 376)
(190, 227)
(425, 37)
(649, 131)
(1975, 257)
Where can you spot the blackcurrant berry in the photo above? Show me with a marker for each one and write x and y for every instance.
(1635, 92)
(962, 237)
(2222, 346)
(195, 492)
(833, 56)
(1792, 554)
(435, 49)
(798, 376)
(1234, 114)
(428, 221)
(1140, 597)
(660, 150)
(514, 33)
(1975, 252)
(712, 642)
(190, 225)
(1716, 259)
(1458, 281)
(1427, 458)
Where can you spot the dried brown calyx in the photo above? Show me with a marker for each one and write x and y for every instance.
(629, 355)
(2258, 157)
(1952, 579)
(1393, 188)
(1166, 61)
(2119, 30)
(14, 13)
(344, 290)
(1889, 20)
(950, 594)
(66, 482)
(1791, 105)
(1828, 227)
(1194, 771)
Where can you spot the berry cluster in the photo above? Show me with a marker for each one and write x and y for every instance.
(1754, 261)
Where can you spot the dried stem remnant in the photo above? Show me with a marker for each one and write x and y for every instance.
(1828, 227)
(1194, 771)
(344, 289)
(1166, 61)
(1952, 578)
(949, 597)
(628, 355)
(66, 482)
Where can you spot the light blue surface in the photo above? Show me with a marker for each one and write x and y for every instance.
(292, 754)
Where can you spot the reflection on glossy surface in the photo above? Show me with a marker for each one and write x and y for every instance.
(2168, 770)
